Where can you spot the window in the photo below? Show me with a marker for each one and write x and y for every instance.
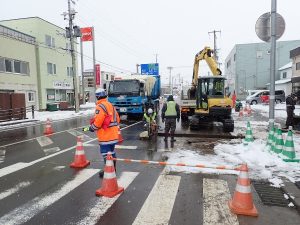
(69, 71)
(298, 66)
(51, 68)
(2, 67)
(228, 63)
(51, 95)
(30, 96)
(106, 76)
(25, 68)
(259, 54)
(284, 75)
(234, 56)
(8, 65)
(50, 41)
(17, 66)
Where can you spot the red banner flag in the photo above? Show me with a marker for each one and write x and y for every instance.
(87, 34)
(98, 73)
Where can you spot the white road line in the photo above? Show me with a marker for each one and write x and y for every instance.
(126, 147)
(103, 204)
(215, 203)
(44, 141)
(13, 168)
(18, 166)
(15, 189)
(78, 133)
(158, 206)
(49, 151)
(18, 142)
(2, 155)
(24, 213)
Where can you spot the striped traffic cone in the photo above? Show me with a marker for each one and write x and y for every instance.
(109, 186)
(80, 160)
(274, 140)
(289, 149)
(242, 202)
(48, 128)
(270, 137)
(279, 142)
(241, 113)
(249, 135)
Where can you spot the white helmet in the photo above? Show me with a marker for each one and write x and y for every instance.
(150, 111)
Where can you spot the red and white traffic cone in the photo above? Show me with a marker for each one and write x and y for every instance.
(120, 138)
(80, 160)
(48, 128)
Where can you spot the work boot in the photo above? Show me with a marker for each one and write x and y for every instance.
(101, 173)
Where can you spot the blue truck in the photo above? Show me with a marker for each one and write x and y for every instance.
(133, 94)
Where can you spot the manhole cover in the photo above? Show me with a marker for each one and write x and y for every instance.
(270, 195)
(297, 184)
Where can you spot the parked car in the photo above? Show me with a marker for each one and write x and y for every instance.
(257, 97)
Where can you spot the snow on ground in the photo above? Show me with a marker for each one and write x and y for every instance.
(262, 163)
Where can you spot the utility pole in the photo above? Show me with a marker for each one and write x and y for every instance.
(215, 44)
(170, 68)
(73, 32)
(156, 57)
(272, 62)
(137, 68)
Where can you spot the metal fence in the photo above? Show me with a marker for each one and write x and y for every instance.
(16, 113)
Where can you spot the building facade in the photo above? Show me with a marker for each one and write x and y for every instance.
(295, 56)
(89, 83)
(53, 60)
(18, 66)
(247, 67)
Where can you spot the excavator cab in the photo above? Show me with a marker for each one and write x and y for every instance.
(212, 105)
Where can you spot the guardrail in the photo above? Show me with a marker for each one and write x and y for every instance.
(16, 113)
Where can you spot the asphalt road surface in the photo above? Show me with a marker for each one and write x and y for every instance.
(37, 186)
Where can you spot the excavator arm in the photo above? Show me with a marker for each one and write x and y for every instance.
(205, 54)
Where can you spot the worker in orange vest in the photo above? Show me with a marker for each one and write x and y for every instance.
(106, 122)
(233, 99)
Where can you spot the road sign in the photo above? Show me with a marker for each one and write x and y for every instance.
(263, 26)
(150, 69)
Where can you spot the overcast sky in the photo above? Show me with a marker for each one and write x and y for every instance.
(133, 31)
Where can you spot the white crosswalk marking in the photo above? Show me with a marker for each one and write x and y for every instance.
(215, 203)
(15, 189)
(13, 168)
(27, 211)
(2, 155)
(103, 204)
(158, 206)
(44, 141)
(126, 147)
(49, 151)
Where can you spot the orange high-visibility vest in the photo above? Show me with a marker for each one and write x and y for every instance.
(110, 134)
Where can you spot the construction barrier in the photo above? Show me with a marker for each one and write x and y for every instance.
(177, 164)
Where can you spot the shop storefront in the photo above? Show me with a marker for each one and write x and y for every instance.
(62, 94)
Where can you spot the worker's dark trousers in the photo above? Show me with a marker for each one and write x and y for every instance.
(170, 124)
(290, 116)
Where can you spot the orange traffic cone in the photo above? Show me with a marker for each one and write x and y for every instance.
(242, 202)
(120, 136)
(249, 109)
(110, 186)
(80, 160)
(48, 128)
(241, 113)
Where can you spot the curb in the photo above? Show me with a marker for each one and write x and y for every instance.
(293, 193)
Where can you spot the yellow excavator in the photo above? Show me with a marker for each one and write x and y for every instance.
(211, 102)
